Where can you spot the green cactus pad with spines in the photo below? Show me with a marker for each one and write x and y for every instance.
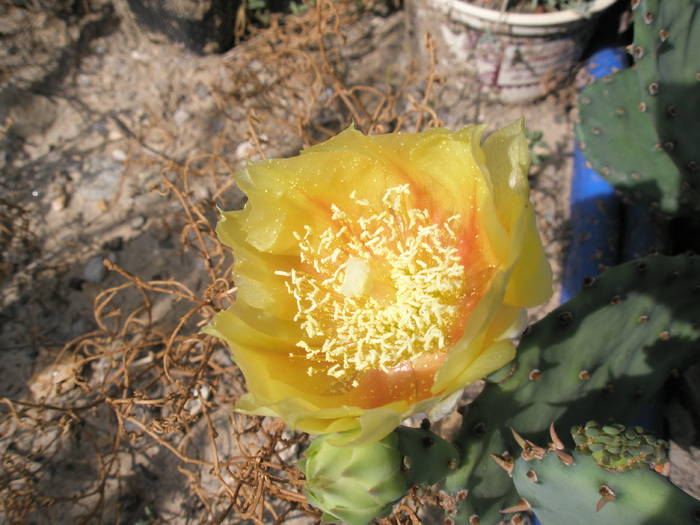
(603, 355)
(640, 128)
(677, 111)
(645, 52)
(559, 493)
(666, 40)
(427, 457)
(616, 447)
(619, 140)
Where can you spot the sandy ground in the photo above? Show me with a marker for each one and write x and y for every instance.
(96, 116)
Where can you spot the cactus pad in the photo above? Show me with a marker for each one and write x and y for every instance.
(427, 457)
(620, 141)
(640, 128)
(603, 355)
(580, 492)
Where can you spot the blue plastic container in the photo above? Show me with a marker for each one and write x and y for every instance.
(596, 211)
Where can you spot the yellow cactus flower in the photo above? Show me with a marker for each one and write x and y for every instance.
(379, 275)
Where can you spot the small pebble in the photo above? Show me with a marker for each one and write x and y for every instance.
(119, 155)
(95, 271)
(193, 406)
(137, 222)
(58, 203)
(139, 55)
(180, 117)
(244, 150)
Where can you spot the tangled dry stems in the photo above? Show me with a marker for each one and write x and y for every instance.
(140, 379)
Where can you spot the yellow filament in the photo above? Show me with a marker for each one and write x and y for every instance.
(377, 289)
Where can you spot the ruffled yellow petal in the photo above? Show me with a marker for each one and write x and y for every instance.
(507, 159)
(351, 426)
(245, 327)
(286, 195)
(374, 425)
(256, 285)
(531, 279)
(489, 360)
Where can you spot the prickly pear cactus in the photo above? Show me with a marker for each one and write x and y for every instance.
(574, 488)
(603, 355)
(640, 127)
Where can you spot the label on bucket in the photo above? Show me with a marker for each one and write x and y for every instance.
(523, 64)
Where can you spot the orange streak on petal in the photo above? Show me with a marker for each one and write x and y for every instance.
(478, 274)
(410, 381)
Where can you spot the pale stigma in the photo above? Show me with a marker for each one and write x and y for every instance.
(356, 280)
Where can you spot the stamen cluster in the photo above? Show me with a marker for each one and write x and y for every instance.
(377, 289)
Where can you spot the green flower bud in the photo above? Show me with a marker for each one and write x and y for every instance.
(354, 484)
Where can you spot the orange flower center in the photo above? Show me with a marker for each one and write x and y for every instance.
(376, 290)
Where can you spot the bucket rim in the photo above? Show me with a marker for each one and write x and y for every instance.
(488, 17)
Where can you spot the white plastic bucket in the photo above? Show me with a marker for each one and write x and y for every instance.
(516, 55)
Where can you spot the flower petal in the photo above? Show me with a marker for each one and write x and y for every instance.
(475, 194)
(474, 338)
(531, 281)
(508, 159)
